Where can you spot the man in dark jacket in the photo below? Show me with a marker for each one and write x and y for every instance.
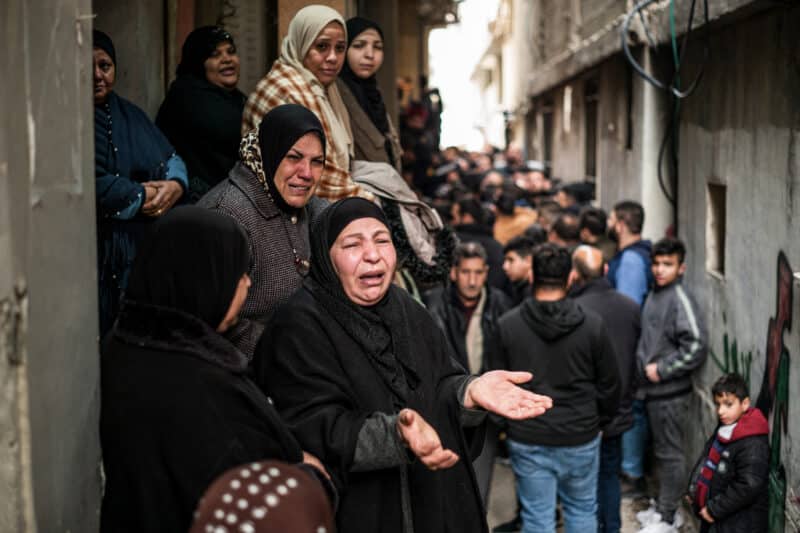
(467, 311)
(569, 352)
(629, 273)
(621, 315)
(469, 223)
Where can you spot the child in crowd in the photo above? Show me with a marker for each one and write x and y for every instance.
(672, 345)
(728, 488)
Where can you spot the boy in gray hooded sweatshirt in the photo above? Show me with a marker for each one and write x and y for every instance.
(672, 345)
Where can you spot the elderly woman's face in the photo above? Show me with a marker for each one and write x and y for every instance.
(222, 66)
(364, 259)
(105, 74)
(300, 170)
(365, 55)
(326, 56)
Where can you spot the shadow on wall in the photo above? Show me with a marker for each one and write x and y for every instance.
(773, 398)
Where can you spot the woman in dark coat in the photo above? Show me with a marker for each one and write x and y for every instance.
(177, 408)
(270, 193)
(202, 112)
(362, 375)
(138, 177)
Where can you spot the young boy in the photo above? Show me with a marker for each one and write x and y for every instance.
(671, 347)
(728, 486)
(518, 266)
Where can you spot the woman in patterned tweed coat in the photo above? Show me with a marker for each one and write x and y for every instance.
(270, 193)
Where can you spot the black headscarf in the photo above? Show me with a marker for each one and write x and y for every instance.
(372, 327)
(365, 90)
(198, 47)
(191, 262)
(103, 42)
(277, 133)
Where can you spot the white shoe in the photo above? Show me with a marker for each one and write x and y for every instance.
(649, 515)
(658, 527)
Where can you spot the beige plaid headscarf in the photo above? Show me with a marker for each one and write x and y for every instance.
(290, 82)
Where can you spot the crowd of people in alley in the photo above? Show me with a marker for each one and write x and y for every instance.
(315, 320)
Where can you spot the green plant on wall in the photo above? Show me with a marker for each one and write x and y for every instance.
(732, 360)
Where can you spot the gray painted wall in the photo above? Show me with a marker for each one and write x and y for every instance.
(139, 31)
(49, 478)
(742, 129)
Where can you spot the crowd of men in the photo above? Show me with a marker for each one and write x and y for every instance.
(543, 281)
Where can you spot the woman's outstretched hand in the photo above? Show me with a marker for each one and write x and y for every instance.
(423, 441)
(497, 391)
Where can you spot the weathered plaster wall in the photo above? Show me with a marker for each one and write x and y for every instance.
(49, 478)
(742, 129)
(138, 30)
(628, 142)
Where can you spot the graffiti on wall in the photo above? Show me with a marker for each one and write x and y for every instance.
(773, 399)
(732, 360)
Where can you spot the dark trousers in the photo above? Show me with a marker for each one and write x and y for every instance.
(608, 489)
(668, 419)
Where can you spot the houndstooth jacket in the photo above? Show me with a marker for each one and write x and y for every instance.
(272, 234)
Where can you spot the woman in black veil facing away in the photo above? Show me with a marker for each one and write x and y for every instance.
(362, 375)
(177, 407)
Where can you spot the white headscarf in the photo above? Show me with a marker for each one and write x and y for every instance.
(304, 28)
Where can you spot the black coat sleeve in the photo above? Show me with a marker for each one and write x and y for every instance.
(750, 477)
(301, 372)
(607, 374)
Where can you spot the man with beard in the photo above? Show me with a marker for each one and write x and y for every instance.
(629, 273)
(467, 311)
(629, 270)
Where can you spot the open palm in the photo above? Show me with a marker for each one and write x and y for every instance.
(498, 391)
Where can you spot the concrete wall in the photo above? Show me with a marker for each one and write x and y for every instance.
(742, 129)
(138, 30)
(49, 478)
(627, 142)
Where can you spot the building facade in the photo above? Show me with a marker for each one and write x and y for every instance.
(729, 178)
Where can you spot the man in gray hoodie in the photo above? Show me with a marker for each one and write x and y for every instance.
(673, 344)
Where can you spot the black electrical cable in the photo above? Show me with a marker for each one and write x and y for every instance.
(642, 72)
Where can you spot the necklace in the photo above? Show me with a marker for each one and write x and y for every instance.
(302, 264)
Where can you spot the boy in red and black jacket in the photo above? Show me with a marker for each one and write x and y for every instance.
(728, 486)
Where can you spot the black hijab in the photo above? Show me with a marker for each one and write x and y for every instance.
(379, 329)
(191, 262)
(102, 41)
(277, 133)
(198, 47)
(365, 90)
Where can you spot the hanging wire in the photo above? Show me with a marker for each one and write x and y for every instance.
(670, 137)
(671, 87)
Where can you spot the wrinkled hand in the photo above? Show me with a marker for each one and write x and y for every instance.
(497, 391)
(423, 441)
(705, 515)
(651, 371)
(167, 193)
(316, 463)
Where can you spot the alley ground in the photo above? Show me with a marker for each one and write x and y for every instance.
(502, 502)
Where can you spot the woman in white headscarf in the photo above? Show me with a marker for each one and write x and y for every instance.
(312, 54)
